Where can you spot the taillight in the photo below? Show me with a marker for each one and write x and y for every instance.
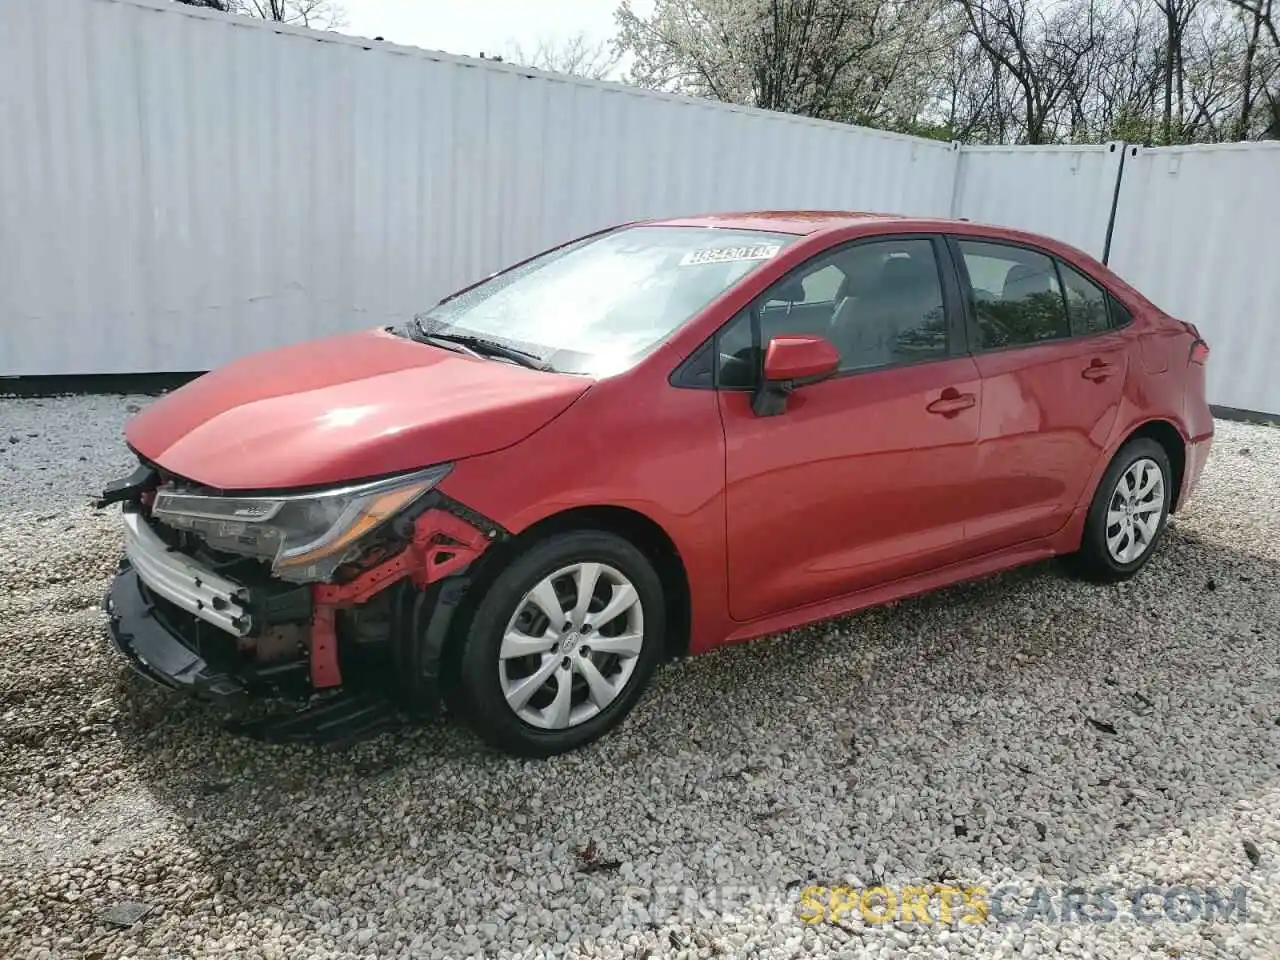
(1199, 352)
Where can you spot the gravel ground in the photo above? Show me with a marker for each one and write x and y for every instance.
(1025, 730)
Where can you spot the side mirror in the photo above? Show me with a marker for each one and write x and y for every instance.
(791, 362)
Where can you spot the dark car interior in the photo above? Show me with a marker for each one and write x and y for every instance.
(878, 303)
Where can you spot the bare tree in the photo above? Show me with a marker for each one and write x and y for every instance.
(1043, 55)
(1261, 53)
(1178, 15)
(577, 56)
(1168, 71)
(1267, 13)
(320, 14)
(1121, 95)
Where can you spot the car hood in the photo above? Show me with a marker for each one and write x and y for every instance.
(344, 408)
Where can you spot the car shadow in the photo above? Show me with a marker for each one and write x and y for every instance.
(1023, 725)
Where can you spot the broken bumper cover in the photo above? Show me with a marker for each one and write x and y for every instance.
(169, 613)
(194, 629)
(153, 649)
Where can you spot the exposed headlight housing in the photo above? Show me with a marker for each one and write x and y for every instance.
(305, 536)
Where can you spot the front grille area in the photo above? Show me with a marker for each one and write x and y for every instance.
(271, 601)
(216, 647)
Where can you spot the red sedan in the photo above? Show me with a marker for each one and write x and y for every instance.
(656, 439)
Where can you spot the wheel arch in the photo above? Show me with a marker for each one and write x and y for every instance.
(639, 529)
(1165, 433)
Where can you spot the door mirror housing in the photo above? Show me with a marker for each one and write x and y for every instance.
(789, 363)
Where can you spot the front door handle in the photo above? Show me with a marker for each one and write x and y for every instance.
(1097, 371)
(952, 402)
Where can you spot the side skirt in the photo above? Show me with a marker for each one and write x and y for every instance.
(898, 589)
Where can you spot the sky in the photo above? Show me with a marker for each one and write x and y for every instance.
(472, 27)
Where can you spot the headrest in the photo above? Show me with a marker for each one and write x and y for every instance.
(1023, 280)
(899, 272)
(791, 291)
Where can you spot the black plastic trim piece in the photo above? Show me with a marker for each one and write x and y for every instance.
(333, 722)
(698, 370)
(128, 488)
(490, 528)
(153, 650)
(272, 606)
(426, 619)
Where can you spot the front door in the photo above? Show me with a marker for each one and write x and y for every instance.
(860, 480)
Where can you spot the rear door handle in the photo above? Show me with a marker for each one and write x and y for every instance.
(952, 402)
(1097, 371)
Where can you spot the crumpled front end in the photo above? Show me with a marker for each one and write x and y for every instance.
(191, 615)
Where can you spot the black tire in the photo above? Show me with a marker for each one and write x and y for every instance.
(480, 695)
(1093, 561)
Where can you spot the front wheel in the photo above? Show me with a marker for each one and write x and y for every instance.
(562, 643)
(1128, 514)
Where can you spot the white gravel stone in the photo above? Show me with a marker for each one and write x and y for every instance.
(962, 737)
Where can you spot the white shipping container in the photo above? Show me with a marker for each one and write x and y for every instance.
(179, 187)
(1196, 231)
(1065, 192)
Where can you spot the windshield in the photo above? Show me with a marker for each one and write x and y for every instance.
(598, 305)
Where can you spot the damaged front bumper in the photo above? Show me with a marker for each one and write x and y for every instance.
(156, 650)
(190, 628)
(217, 635)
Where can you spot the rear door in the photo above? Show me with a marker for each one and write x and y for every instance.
(861, 479)
(1053, 371)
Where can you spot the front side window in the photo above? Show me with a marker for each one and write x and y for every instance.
(1086, 302)
(1016, 297)
(879, 303)
(598, 305)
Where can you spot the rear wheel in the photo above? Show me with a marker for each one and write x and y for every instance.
(562, 644)
(1128, 514)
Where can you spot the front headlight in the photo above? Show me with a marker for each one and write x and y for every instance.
(305, 536)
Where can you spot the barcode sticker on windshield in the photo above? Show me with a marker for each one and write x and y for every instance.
(760, 251)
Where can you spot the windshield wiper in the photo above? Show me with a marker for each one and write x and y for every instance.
(444, 344)
(480, 346)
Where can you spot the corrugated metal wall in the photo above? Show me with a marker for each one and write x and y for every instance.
(1197, 231)
(1063, 191)
(180, 187)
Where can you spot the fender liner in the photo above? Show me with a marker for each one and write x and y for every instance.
(424, 626)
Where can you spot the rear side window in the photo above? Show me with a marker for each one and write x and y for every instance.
(1120, 315)
(1086, 302)
(1016, 296)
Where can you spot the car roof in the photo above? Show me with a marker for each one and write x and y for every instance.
(778, 221)
(810, 222)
